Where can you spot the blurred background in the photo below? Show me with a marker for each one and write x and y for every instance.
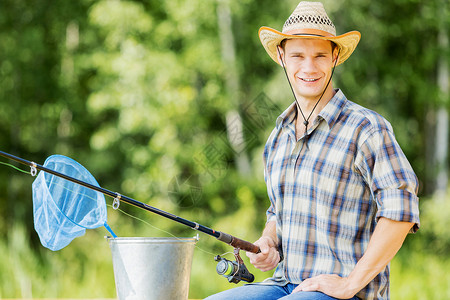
(170, 102)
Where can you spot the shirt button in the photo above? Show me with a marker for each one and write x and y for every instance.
(293, 160)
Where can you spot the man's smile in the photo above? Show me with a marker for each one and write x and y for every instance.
(308, 79)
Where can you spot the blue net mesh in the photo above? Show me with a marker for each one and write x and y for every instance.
(63, 210)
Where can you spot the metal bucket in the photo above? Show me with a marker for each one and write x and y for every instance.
(152, 268)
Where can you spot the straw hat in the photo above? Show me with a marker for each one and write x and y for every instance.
(309, 20)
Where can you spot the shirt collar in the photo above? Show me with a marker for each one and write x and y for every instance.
(332, 110)
(287, 117)
(329, 113)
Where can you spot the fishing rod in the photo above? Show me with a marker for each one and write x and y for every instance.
(234, 271)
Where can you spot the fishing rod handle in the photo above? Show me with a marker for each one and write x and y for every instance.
(238, 243)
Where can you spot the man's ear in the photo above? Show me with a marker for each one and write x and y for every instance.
(335, 53)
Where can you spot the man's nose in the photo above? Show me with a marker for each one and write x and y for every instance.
(309, 65)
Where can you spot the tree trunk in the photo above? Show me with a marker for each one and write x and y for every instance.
(441, 146)
(233, 119)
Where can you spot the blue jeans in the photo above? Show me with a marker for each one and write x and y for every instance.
(266, 292)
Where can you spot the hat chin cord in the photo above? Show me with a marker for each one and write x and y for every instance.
(306, 120)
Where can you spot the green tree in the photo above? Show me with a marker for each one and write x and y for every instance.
(139, 91)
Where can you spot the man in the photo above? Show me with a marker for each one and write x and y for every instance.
(343, 195)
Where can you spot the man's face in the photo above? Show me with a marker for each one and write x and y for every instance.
(309, 65)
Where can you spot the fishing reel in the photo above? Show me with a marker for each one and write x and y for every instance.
(234, 271)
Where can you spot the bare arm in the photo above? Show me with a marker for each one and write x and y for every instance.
(269, 256)
(271, 231)
(385, 242)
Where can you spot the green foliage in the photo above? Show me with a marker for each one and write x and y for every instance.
(419, 271)
(420, 276)
(136, 92)
(71, 272)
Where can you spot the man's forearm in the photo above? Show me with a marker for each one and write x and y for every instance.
(385, 242)
(271, 231)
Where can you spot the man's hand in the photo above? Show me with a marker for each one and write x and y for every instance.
(331, 285)
(269, 256)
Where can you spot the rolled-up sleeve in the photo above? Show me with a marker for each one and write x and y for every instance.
(271, 211)
(271, 216)
(391, 179)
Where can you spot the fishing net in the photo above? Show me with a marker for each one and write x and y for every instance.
(63, 210)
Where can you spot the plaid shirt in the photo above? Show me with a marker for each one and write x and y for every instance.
(326, 197)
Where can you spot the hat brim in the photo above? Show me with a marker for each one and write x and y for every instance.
(271, 38)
